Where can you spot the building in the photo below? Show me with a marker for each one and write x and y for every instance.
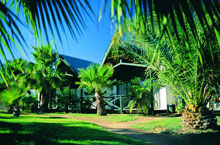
(126, 69)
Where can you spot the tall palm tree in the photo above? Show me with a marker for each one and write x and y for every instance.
(190, 68)
(96, 77)
(43, 75)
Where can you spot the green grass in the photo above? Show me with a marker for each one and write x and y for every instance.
(109, 117)
(218, 117)
(48, 129)
(122, 118)
(161, 125)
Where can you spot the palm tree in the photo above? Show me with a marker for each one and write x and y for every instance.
(43, 75)
(190, 68)
(12, 93)
(12, 96)
(96, 77)
(141, 94)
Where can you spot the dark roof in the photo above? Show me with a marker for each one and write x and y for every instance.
(76, 63)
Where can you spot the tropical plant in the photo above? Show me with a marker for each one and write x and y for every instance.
(12, 90)
(30, 102)
(64, 98)
(141, 95)
(43, 75)
(96, 77)
(13, 95)
(190, 66)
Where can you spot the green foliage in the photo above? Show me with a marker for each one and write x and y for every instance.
(95, 77)
(56, 14)
(180, 106)
(13, 95)
(30, 102)
(64, 98)
(176, 14)
(189, 66)
(141, 94)
(12, 71)
(43, 75)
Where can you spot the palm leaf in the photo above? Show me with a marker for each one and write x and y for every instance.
(44, 15)
(173, 10)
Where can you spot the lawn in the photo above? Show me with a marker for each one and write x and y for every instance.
(160, 125)
(110, 117)
(48, 129)
(166, 125)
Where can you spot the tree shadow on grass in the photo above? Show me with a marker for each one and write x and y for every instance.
(59, 133)
(210, 138)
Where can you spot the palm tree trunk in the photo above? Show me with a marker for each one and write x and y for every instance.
(44, 101)
(200, 118)
(100, 104)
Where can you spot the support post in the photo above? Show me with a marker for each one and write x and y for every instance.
(81, 101)
(121, 105)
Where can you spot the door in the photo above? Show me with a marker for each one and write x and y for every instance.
(160, 98)
(163, 98)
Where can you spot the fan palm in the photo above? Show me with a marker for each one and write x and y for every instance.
(96, 77)
(43, 75)
(141, 95)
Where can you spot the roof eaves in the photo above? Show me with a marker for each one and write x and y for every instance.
(129, 64)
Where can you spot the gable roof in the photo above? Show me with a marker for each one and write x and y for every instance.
(75, 63)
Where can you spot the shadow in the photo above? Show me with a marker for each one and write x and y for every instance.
(4, 112)
(52, 117)
(22, 117)
(76, 132)
(171, 139)
(1, 117)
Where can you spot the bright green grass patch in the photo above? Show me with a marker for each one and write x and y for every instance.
(161, 125)
(109, 117)
(218, 118)
(122, 118)
(56, 130)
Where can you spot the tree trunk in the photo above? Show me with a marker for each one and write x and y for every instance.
(43, 102)
(100, 104)
(200, 119)
(16, 111)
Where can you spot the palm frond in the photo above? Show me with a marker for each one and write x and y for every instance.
(44, 15)
(161, 11)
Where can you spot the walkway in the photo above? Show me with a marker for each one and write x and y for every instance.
(154, 138)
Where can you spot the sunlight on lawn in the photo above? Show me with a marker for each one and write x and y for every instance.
(110, 117)
(160, 125)
(48, 129)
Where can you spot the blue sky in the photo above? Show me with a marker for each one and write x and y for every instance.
(95, 40)
(91, 46)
